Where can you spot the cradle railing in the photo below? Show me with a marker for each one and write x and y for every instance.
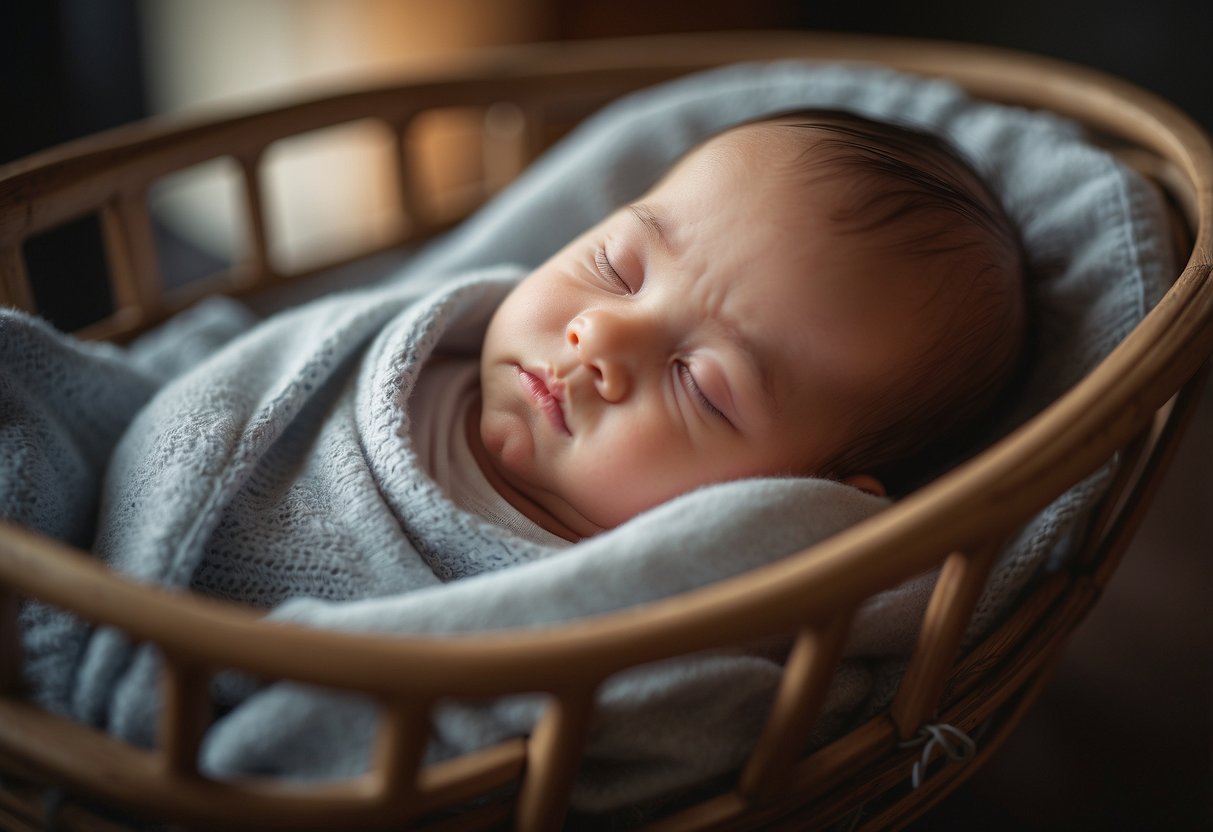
(1133, 405)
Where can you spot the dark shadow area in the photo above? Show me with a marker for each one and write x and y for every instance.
(67, 270)
(70, 68)
(1162, 46)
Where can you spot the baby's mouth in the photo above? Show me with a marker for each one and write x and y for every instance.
(548, 398)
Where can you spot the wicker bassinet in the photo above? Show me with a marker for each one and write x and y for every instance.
(1134, 404)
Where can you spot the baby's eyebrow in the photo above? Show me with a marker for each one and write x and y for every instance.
(649, 219)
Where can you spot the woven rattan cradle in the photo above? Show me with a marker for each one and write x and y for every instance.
(1133, 404)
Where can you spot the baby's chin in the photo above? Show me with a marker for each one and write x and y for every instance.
(544, 505)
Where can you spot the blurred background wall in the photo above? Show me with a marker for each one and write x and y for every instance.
(333, 190)
(1122, 739)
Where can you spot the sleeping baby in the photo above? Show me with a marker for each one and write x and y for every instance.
(816, 295)
(807, 313)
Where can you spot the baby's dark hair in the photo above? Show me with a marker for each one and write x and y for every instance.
(912, 194)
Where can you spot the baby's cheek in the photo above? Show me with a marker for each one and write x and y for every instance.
(641, 478)
(507, 441)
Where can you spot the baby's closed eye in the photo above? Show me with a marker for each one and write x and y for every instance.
(687, 379)
(609, 273)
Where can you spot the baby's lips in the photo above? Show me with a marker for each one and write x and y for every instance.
(548, 392)
(558, 389)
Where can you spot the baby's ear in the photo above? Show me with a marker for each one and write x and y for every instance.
(867, 483)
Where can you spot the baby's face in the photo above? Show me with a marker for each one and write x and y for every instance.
(719, 328)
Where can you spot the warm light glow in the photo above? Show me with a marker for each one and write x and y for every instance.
(334, 190)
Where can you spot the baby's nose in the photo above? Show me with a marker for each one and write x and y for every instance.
(605, 344)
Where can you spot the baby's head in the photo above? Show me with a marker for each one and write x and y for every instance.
(814, 294)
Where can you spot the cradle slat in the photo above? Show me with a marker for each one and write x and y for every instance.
(534, 140)
(995, 648)
(260, 267)
(404, 730)
(411, 203)
(130, 251)
(802, 691)
(555, 752)
(960, 583)
(14, 281)
(505, 145)
(454, 781)
(185, 715)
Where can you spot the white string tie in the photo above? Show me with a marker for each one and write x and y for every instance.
(956, 745)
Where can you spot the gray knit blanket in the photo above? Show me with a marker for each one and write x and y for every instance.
(271, 463)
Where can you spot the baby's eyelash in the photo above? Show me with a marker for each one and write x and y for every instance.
(608, 271)
(688, 380)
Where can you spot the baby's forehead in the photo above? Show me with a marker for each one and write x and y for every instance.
(795, 164)
(757, 137)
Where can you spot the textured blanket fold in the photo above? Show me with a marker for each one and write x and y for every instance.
(271, 464)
